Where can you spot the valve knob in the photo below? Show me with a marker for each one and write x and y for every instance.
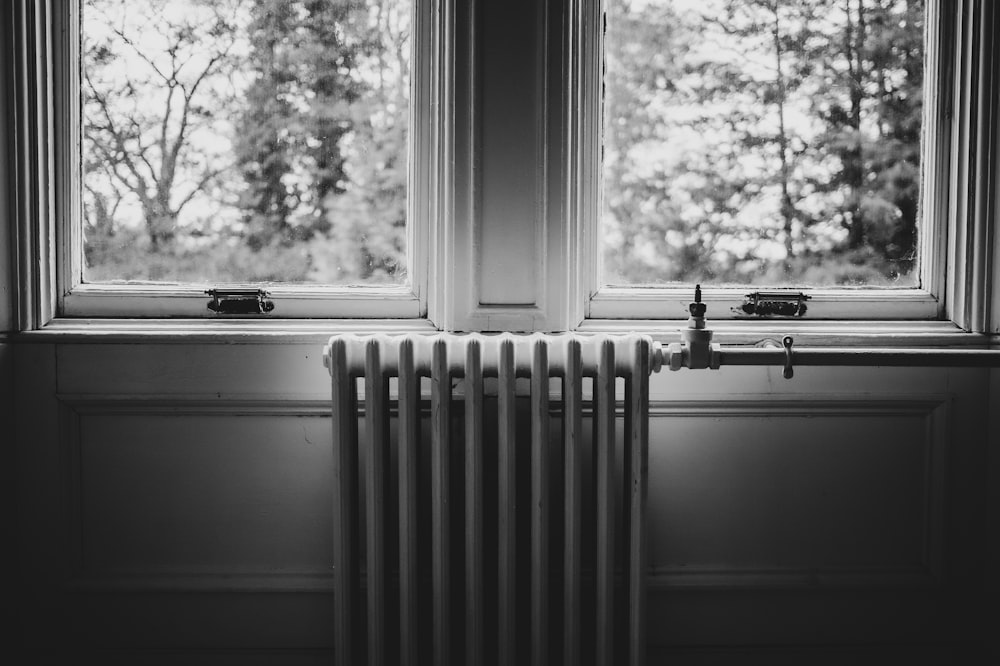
(697, 308)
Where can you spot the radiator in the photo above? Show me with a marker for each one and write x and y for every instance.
(486, 525)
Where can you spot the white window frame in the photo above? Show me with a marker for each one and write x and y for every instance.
(465, 209)
(60, 93)
(949, 121)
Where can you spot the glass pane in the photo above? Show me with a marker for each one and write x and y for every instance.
(763, 142)
(245, 140)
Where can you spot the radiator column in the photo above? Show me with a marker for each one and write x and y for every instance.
(572, 502)
(440, 509)
(345, 501)
(409, 440)
(540, 503)
(507, 507)
(475, 605)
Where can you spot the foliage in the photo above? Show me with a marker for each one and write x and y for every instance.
(148, 116)
(280, 123)
(746, 141)
(763, 142)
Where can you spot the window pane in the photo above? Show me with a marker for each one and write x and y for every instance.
(764, 142)
(245, 140)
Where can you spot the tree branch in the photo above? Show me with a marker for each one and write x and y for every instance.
(170, 159)
(140, 188)
(212, 173)
(145, 58)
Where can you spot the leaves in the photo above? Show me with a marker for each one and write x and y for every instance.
(783, 125)
(246, 140)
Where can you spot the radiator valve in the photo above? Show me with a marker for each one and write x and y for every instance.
(695, 350)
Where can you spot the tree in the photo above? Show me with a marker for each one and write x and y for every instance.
(747, 88)
(758, 141)
(366, 240)
(322, 146)
(151, 79)
(650, 242)
(246, 141)
(264, 145)
(874, 130)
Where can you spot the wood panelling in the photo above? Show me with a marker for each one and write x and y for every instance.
(179, 495)
(194, 657)
(766, 383)
(992, 592)
(171, 489)
(10, 605)
(274, 371)
(802, 493)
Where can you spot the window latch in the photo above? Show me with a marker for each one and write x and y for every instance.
(239, 301)
(775, 303)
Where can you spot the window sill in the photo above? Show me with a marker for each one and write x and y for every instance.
(871, 334)
(227, 330)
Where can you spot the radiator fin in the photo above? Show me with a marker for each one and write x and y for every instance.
(539, 419)
(409, 440)
(440, 508)
(345, 500)
(474, 513)
(507, 492)
(572, 503)
(605, 454)
(376, 466)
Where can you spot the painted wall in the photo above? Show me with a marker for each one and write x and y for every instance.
(178, 496)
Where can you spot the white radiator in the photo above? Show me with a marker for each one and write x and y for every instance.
(500, 532)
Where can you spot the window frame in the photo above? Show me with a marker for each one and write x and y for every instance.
(75, 298)
(927, 302)
(565, 72)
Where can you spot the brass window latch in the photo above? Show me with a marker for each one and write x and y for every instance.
(237, 301)
(775, 303)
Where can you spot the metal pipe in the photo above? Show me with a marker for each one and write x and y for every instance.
(661, 356)
(852, 356)
(695, 350)
(679, 355)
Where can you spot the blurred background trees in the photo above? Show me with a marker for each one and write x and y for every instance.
(245, 141)
(151, 111)
(746, 141)
(763, 142)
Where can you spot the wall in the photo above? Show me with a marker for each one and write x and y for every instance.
(175, 498)
(8, 557)
(171, 503)
(8, 497)
(842, 508)
(993, 522)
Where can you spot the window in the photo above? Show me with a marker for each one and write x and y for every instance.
(507, 160)
(751, 145)
(261, 144)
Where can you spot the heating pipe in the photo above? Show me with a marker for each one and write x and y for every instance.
(696, 351)
(853, 356)
(660, 355)
(834, 356)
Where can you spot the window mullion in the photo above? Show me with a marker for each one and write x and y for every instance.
(505, 253)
